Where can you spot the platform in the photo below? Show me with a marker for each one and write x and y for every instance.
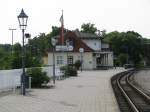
(89, 92)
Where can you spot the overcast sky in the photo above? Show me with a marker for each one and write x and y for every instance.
(120, 15)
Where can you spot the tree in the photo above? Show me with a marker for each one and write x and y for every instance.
(16, 59)
(5, 57)
(88, 28)
(122, 59)
(128, 43)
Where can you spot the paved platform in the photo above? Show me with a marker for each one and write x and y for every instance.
(89, 92)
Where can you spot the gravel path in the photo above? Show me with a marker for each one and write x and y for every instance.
(142, 78)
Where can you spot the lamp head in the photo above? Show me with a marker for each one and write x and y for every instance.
(22, 18)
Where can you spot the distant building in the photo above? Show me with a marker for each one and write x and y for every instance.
(89, 48)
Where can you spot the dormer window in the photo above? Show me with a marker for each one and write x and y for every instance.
(69, 42)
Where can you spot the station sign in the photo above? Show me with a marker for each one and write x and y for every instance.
(64, 48)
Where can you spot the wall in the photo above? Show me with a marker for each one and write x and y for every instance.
(110, 59)
(87, 58)
(93, 43)
(105, 45)
(45, 60)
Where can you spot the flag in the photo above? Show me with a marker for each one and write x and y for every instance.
(62, 29)
(61, 19)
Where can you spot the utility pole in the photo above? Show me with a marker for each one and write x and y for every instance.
(12, 30)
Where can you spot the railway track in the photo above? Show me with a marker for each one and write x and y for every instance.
(129, 97)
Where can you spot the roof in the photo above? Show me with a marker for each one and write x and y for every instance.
(78, 42)
(86, 35)
(82, 35)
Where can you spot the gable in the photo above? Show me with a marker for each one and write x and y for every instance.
(76, 42)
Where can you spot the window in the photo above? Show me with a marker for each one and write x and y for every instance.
(69, 42)
(59, 60)
(70, 60)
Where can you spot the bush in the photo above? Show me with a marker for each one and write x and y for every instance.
(69, 70)
(77, 64)
(122, 59)
(139, 65)
(38, 77)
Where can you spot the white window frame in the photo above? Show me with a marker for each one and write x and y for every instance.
(60, 60)
(70, 59)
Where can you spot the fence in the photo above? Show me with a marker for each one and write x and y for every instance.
(10, 79)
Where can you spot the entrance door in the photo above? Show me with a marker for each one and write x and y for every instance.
(98, 62)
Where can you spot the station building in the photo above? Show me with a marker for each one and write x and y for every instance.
(88, 48)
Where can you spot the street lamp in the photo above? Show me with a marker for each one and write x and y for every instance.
(22, 18)
(12, 31)
(53, 41)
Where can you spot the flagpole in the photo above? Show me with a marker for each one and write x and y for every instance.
(62, 29)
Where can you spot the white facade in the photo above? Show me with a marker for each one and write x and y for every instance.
(105, 45)
(89, 61)
(93, 43)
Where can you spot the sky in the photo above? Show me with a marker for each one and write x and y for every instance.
(111, 15)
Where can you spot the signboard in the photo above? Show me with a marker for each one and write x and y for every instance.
(64, 48)
(81, 50)
(70, 48)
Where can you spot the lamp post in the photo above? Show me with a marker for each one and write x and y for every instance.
(22, 18)
(81, 50)
(12, 31)
(53, 41)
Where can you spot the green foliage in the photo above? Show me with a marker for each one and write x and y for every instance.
(16, 58)
(69, 70)
(38, 77)
(16, 62)
(17, 49)
(122, 59)
(139, 65)
(126, 42)
(5, 57)
(77, 64)
(88, 28)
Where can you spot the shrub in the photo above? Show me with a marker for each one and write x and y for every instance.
(69, 70)
(38, 77)
(139, 65)
(122, 59)
(77, 64)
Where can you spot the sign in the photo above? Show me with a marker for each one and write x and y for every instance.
(81, 50)
(53, 41)
(70, 48)
(64, 48)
